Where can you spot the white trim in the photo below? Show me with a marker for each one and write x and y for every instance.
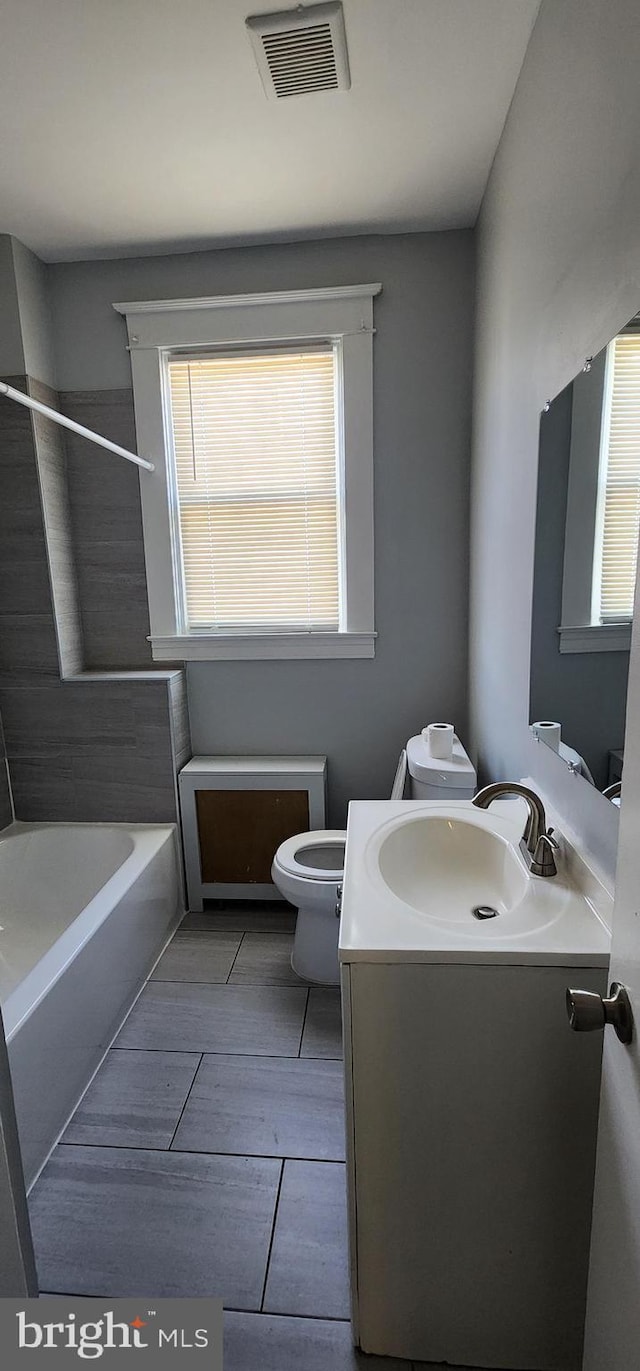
(601, 499)
(582, 493)
(157, 329)
(595, 637)
(214, 890)
(268, 297)
(254, 647)
(243, 773)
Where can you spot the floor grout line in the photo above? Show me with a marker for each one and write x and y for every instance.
(233, 985)
(168, 1149)
(236, 956)
(199, 1152)
(211, 1052)
(273, 1234)
(227, 1309)
(304, 1024)
(311, 1318)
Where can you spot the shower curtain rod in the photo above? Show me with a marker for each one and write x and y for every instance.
(58, 418)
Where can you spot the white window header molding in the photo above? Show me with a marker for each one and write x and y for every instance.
(276, 297)
(274, 316)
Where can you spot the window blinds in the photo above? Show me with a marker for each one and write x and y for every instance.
(256, 479)
(621, 513)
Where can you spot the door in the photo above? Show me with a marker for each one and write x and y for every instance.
(612, 1337)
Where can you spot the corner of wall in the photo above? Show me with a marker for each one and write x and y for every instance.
(32, 289)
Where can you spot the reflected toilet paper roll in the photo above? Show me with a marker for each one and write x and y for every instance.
(548, 731)
(439, 740)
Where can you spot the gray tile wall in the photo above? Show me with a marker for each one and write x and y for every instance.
(92, 752)
(6, 810)
(52, 474)
(107, 532)
(28, 646)
(180, 718)
(79, 749)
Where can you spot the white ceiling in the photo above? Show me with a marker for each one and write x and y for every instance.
(141, 125)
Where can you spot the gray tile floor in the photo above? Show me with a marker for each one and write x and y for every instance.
(207, 1157)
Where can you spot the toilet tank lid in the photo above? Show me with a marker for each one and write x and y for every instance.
(423, 767)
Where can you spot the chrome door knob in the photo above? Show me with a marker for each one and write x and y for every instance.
(588, 1011)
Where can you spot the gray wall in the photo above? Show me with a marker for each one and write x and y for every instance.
(11, 347)
(585, 691)
(35, 315)
(558, 275)
(357, 712)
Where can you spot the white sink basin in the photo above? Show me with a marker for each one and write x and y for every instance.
(447, 868)
(415, 872)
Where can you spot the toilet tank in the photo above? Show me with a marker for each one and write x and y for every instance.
(430, 778)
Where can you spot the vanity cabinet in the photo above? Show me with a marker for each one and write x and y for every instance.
(471, 1123)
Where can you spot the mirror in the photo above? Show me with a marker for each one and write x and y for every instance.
(587, 527)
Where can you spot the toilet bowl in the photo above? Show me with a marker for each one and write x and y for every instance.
(308, 868)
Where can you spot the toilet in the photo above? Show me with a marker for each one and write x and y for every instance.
(308, 868)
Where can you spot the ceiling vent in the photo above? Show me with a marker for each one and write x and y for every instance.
(301, 51)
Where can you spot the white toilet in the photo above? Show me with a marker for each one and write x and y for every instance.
(308, 868)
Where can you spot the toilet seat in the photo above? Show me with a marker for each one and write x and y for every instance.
(290, 854)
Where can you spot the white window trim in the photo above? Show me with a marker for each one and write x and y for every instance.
(157, 328)
(579, 630)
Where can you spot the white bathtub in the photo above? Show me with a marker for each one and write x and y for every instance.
(85, 911)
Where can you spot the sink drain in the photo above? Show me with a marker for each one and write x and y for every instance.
(484, 911)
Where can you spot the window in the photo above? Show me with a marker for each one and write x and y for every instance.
(618, 517)
(256, 464)
(603, 501)
(258, 520)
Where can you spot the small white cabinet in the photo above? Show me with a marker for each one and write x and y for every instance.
(235, 813)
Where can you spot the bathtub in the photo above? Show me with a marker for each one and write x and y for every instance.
(85, 911)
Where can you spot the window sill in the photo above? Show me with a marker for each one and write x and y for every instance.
(595, 638)
(262, 647)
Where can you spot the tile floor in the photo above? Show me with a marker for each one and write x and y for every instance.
(207, 1157)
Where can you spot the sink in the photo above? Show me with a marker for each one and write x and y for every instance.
(446, 868)
(415, 872)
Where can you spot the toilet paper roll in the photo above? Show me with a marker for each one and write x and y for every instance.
(548, 731)
(439, 740)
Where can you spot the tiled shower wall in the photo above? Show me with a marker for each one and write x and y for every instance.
(6, 812)
(80, 746)
(106, 524)
(51, 467)
(91, 751)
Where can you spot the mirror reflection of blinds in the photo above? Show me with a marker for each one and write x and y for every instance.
(621, 512)
(256, 478)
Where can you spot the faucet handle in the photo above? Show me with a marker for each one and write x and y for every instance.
(543, 861)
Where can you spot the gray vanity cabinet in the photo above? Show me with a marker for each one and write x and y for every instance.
(471, 1121)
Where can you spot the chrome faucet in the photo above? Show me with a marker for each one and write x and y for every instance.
(537, 843)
